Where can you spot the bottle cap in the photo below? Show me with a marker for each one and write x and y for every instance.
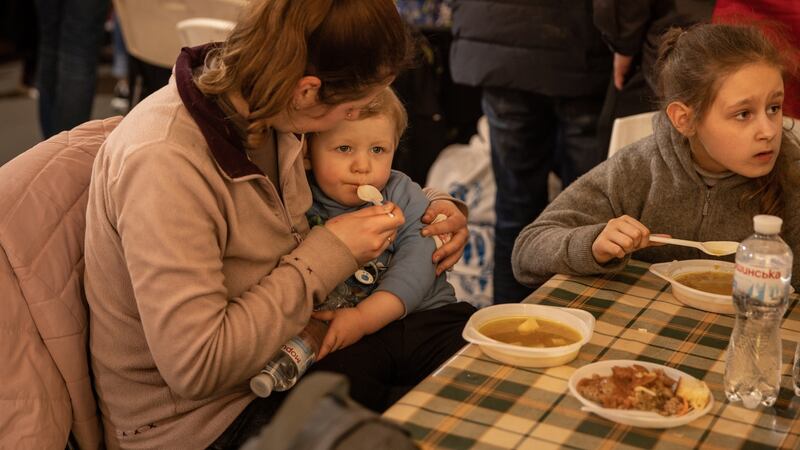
(765, 224)
(262, 385)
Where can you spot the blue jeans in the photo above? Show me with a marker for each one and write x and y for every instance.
(70, 34)
(532, 135)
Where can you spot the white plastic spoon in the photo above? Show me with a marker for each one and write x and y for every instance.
(714, 248)
(370, 193)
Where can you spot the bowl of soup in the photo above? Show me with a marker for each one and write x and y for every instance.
(700, 283)
(527, 335)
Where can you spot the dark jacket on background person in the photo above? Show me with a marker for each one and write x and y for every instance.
(544, 47)
(634, 27)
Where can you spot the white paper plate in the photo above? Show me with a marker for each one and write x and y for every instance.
(641, 419)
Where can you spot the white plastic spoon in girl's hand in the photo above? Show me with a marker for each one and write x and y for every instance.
(714, 248)
(371, 194)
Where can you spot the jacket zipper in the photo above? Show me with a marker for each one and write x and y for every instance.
(295, 234)
(708, 200)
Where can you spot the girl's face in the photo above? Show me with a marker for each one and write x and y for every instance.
(353, 153)
(741, 131)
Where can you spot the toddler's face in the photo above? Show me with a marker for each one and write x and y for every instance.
(741, 130)
(353, 153)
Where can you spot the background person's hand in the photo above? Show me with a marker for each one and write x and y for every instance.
(345, 329)
(622, 65)
(368, 231)
(621, 236)
(448, 254)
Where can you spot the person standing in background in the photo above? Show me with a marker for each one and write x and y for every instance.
(633, 29)
(783, 12)
(544, 71)
(70, 35)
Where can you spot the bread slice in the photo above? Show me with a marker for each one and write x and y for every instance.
(695, 392)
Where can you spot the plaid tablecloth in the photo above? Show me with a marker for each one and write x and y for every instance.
(474, 402)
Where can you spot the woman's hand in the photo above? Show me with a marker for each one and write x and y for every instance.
(345, 329)
(448, 254)
(621, 236)
(368, 231)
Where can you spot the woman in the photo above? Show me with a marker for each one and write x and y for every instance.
(199, 259)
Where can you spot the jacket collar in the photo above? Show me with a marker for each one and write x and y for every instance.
(221, 136)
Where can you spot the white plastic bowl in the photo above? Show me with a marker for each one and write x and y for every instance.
(722, 304)
(517, 355)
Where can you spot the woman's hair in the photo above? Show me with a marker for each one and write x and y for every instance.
(388, 104)
(692, 65)
(350, 45)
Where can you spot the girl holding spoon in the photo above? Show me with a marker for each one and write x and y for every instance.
(351, 168)
(719, 155)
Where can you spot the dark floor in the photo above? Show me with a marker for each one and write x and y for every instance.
(19, 126)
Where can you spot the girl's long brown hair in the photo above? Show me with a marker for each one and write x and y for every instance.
(691, 66)
(351, 45)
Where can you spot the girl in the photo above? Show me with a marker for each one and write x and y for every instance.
(199, 259)
(717, 157)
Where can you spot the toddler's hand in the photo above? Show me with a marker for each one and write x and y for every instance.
(621, 236)
(345, 329)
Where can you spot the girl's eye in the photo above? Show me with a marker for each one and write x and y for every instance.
(774, 109)
(743, 115)
(378, 150)
(343, 148)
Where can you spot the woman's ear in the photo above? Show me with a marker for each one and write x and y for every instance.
(306, 93)
(681, 117)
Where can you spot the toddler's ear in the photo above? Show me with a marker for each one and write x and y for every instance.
(681, 117)
(306, 160)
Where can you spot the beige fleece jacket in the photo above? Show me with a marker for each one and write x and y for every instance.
(194, 277)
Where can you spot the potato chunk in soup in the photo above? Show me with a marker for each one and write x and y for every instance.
(517, 331)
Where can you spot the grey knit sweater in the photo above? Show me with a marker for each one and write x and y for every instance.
(654, 181)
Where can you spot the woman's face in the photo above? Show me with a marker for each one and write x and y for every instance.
(322, 117)
(741, 131)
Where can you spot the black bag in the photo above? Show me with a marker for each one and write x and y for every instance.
(319, 415)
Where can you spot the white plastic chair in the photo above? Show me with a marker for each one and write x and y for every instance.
(150, 26)
(201, 30)
(787, 123)
(627, 130)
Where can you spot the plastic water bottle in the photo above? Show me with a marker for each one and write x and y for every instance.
(761, 284)
(291, 361)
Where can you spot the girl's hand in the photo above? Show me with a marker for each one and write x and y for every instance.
(368, 231)
(345, 329)
(621, 236)
(448, 254)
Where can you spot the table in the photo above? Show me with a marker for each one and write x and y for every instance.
(474, 402)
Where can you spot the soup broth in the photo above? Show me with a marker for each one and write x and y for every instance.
(530, 332)
(708, 281)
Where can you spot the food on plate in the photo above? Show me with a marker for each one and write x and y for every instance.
(715, 282)
(530, 331)
(696, 392)
(638, 388)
